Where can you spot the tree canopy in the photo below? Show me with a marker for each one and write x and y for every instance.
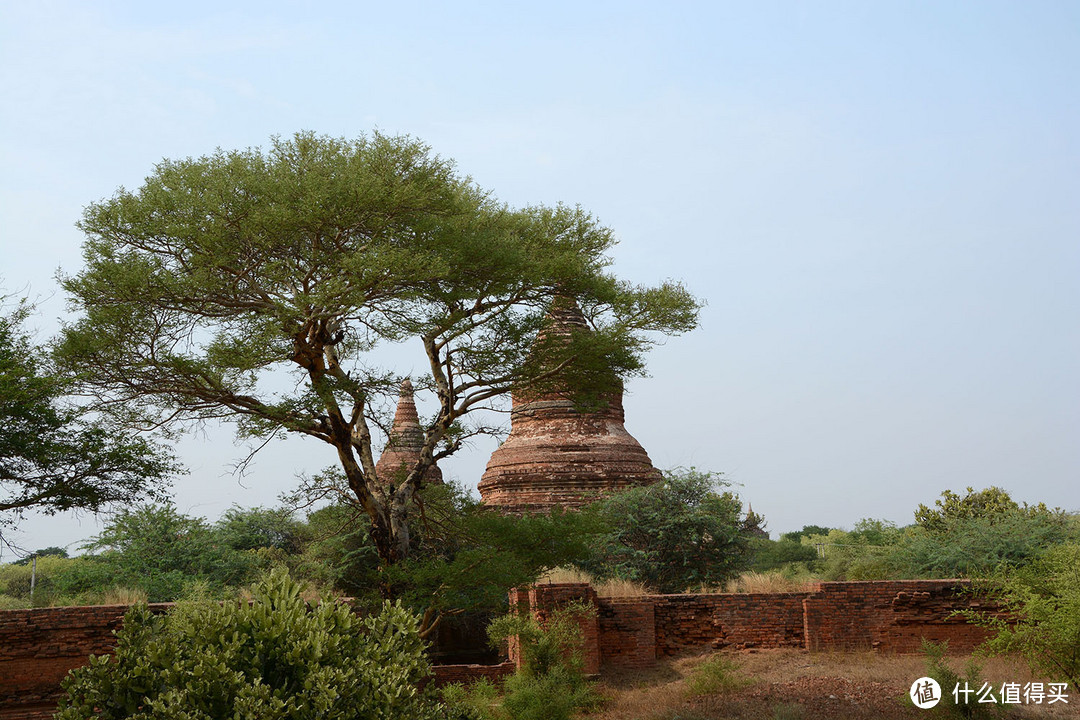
(53, 455)
(223, 273)
(991, 504)
(673, 535)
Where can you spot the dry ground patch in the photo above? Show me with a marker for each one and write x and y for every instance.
(795, 685)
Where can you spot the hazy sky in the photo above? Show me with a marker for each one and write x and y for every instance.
(880, 203)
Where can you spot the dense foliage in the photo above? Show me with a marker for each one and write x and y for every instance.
(965, 536)
(156, 553)
(222, 273)
(52, 456)
(680, 533)
(1042, 599)
(463, 556)
(549, 685)
(272, 657)
(989, 504)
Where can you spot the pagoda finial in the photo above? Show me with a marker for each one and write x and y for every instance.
(406, 440)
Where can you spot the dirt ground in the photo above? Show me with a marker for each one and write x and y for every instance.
(798, 685)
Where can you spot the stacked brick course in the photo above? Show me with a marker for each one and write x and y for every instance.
(893, 616)
(38, 648)
(465, 674)
(890, 616)
(686, 622)
(627, 632)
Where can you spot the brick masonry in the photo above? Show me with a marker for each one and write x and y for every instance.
(38, 647)
(558, 455)
(886, 616)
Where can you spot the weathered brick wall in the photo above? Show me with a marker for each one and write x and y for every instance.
(38, 648)
(541, 600)
(891, 616)
(465, 674)
(685, 622)
(627, 632)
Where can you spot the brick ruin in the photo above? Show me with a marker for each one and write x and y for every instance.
(406, 439)
(890, 616)
(558, 455)
(38, 647)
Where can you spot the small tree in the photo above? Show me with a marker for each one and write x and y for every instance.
(224, 272)
(271, 658)
(674, 534)
(1041, 601)
(54, 455)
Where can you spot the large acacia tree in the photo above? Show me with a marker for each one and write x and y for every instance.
(311, 257)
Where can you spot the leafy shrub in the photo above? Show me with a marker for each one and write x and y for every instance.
(781, 554)
(273, 657)
(551, 684)
(58, 581)
(476, 701)
(675, 534)
(990, 503)
(158, 549)
(1042, 601)
(864, 553)
(938, 669)
(976, 546)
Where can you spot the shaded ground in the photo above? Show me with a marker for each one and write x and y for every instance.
(797, 685)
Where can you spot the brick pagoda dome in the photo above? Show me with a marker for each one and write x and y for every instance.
(559, 456)
(402, 449)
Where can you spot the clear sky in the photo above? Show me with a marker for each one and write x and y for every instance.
(880, 203)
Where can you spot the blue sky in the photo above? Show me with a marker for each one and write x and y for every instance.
(880, 203)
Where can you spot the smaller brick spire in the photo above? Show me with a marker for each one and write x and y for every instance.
(406, 439)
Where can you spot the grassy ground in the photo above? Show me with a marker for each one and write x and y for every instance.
(797, 685)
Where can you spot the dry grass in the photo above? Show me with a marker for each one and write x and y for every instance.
(614, 588)
(767, 582)
(617, 588)
(123, 596)
(795, 684)
(564, 575)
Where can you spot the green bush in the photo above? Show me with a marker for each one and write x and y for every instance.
(938, 669)
(270, 658)
(976, 546)
(551, 684)
(672, 535)
(1042, 602)
(785, 554)
(59, 581)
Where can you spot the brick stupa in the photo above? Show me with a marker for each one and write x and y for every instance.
(406, 439)
(559, 456)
